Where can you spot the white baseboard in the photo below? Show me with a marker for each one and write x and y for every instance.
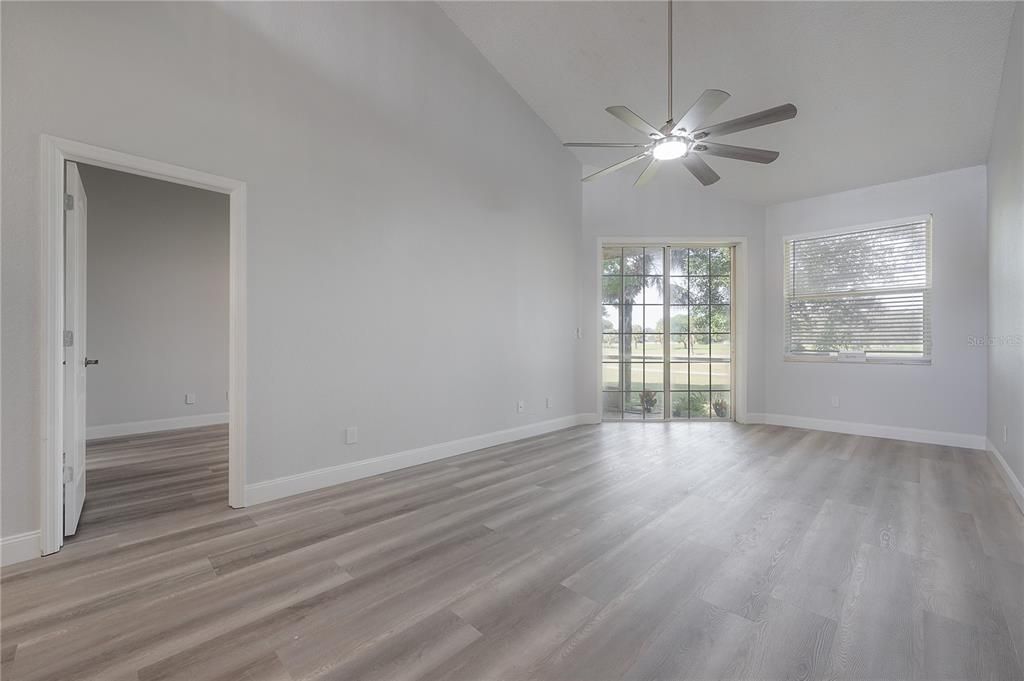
(1009, 477)
(137, 427)
(278, 488)
(931, 437)
(19, 547)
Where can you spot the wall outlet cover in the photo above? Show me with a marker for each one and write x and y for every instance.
(520, 406)
(351, 435)
(190, 398)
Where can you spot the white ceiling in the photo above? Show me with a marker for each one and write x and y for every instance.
(885, 91)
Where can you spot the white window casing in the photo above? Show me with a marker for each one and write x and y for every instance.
(862, 294)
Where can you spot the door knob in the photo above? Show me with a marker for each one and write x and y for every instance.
(89, 362)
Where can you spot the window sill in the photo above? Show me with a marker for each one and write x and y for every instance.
(819, 359)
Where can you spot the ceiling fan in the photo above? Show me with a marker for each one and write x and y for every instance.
(685, 139)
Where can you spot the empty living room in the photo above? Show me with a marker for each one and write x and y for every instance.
(511, 341)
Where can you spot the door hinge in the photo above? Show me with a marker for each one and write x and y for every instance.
(69, 338)
(69, 202)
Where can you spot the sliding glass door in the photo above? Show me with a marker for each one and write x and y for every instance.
(667, 343)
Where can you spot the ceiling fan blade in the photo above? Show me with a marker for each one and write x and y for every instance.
(648, 173)
(754, 120)
(701, 109)
(701, 170)
(613, 168)
(738, 153)
(632, 120)
(609, 145)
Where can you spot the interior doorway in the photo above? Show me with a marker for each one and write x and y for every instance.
(668, 331)
(146, 291)
(63, 486)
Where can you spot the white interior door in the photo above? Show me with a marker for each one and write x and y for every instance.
(75, 360)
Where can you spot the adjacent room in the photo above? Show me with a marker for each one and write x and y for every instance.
(156, 305)
(494, 341)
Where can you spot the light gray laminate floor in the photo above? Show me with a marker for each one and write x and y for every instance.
(620, 551)
(130, 480)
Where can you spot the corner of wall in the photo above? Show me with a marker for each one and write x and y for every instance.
(1013, 483)
(1005, 213)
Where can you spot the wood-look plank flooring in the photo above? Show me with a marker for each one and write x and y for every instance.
(621, 551)
(144, 477)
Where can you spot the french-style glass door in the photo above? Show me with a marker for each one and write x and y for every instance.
(667, 341)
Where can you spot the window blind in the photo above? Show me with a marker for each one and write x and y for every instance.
(866, 290)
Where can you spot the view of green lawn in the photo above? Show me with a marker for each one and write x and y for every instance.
(689, 289)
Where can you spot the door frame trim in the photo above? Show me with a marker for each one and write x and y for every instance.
(741, 290)
(54, 152)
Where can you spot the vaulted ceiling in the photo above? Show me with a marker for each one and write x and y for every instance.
(885, 90)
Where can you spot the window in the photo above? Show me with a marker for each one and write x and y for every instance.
(668, 333)
(865, 292)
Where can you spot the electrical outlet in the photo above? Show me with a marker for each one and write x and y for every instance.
(835, 401)
(547, 402)
(351, 435)
(520, 407)
(1005, 434)
(190, 398)
(579, 332)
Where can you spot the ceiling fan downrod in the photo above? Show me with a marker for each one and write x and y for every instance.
(669, 121)
(679, 139)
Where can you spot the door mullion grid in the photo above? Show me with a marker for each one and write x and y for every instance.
(622, 335)
(732, 333)
(621, 363)
(625, 335)
(666, 405)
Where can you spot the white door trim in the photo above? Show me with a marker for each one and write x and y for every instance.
(54, 152)
(741, 291)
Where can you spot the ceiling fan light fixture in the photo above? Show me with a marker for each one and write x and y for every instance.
(670, 148)
(679, 136)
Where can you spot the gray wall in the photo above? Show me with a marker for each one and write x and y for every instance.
(157, 298)
(949, 394)
(413, 225)
(1006, 253)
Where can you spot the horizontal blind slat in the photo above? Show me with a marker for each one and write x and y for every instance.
(861, 290)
